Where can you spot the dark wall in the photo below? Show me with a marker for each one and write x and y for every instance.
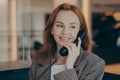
(18, 74)
(105, 37)
(109, 76)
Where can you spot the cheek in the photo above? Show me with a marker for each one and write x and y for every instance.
(74, 34)
(56, 34)
(55, 31)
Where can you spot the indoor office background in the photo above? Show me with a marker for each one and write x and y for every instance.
(22, 23)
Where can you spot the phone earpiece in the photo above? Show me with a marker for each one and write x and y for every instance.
(63, 51)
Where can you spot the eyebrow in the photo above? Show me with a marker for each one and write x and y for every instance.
(63, 23)
(74, 23)
(59, 22)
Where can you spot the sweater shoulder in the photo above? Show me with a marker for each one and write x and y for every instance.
(92, 58)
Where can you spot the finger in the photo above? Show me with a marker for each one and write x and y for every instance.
(73, 46)
(69, 48)
(79, 42)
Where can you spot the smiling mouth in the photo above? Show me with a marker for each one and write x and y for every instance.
(64, 39)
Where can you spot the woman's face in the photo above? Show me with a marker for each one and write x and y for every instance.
(65, 28)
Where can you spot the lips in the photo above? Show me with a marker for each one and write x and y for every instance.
(64, 39)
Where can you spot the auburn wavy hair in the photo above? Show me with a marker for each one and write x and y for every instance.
(49, 44)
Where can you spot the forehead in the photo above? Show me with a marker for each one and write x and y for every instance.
(67, 16)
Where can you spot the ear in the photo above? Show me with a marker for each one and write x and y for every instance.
(52, 32)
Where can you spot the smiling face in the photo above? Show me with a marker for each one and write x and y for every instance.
(65, 28)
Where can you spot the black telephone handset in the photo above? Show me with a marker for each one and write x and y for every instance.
(64, 50)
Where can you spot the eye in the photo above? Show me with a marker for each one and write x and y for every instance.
(72, 27)
(59, 26)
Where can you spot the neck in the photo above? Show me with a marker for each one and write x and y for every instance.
(60, 60)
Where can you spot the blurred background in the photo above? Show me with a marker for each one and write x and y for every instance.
(22, 23)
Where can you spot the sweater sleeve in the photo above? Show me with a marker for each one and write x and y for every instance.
(94, 69)
(32, 71)
(36, 70)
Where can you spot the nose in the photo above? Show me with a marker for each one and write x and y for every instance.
(65, 31)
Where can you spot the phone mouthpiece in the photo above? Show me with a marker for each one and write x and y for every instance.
(63, 51)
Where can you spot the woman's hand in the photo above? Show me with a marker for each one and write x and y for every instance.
(73, 53)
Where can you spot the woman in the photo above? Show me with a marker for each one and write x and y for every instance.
(61, 30)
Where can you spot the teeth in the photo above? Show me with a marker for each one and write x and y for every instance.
(64, 38)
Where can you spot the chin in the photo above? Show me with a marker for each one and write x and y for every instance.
(62, 44)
